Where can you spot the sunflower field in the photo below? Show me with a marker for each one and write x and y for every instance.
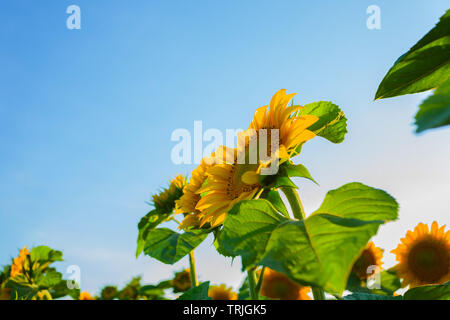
(258, 219)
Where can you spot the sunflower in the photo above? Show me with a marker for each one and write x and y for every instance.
(18, 263)
(424, 256)
(225, 186)
(182, 281)
(292, 128)
(276, 285)
(165, 200)
(85, 296)
(235, 175)
(186, 204)
(222, 293)
(109, 293)
(370, 256)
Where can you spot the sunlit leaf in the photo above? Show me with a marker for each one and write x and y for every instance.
(434, 292)
(319, 250)
(332, 123)
(197, 293)
(169, 246)
(434, 112)
(425, 66)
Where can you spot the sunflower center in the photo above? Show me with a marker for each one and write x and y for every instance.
(235, 185)
(365, 260)
(429, 260)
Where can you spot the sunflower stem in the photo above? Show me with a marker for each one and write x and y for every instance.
(299, 213)
(260, 280)
(252, 285)
(192, 271)
(295, 202)
(318, 293)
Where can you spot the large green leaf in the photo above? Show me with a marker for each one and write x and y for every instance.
(148, 223)
(43, 254)
(169, 246)
(434, 292)
(319, 250)
(434, 112)
(332, 123)
(425, 66)
(49, 279)
(197, 293)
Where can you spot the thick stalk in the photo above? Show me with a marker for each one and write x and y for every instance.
(295, 202)
(192, 270)
(252, 284)
(299, 213)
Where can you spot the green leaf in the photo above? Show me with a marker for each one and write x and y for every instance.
(61, 290)
(197, 293)
(44, 254)
(319, 250)
(332, 123)
(169, 246)
(148, 223)
(389, 283)
(274, 198)
(425, 66)
(433, 292)
(21, 289)
(297, 170)
(434, 112)
(370, 296)
(49, 279)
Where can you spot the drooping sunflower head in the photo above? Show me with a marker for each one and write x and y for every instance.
(85, 296)
(279, 122)
(276, 285)
(109, 292)
(370, 258)
(228, 183)
(424, 256)
(222, 292)
(19, 262)
(182, 281)
(165, 200)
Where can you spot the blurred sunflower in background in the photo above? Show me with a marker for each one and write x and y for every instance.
(109, 293)
(370, 256)
(5, 293)
(276, 285)
(222, 292)
(424, 256)
(85, 296)
(182, 281)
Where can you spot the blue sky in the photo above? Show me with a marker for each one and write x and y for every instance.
(86, 115)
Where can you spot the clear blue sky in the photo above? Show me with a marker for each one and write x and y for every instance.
(86, 115)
